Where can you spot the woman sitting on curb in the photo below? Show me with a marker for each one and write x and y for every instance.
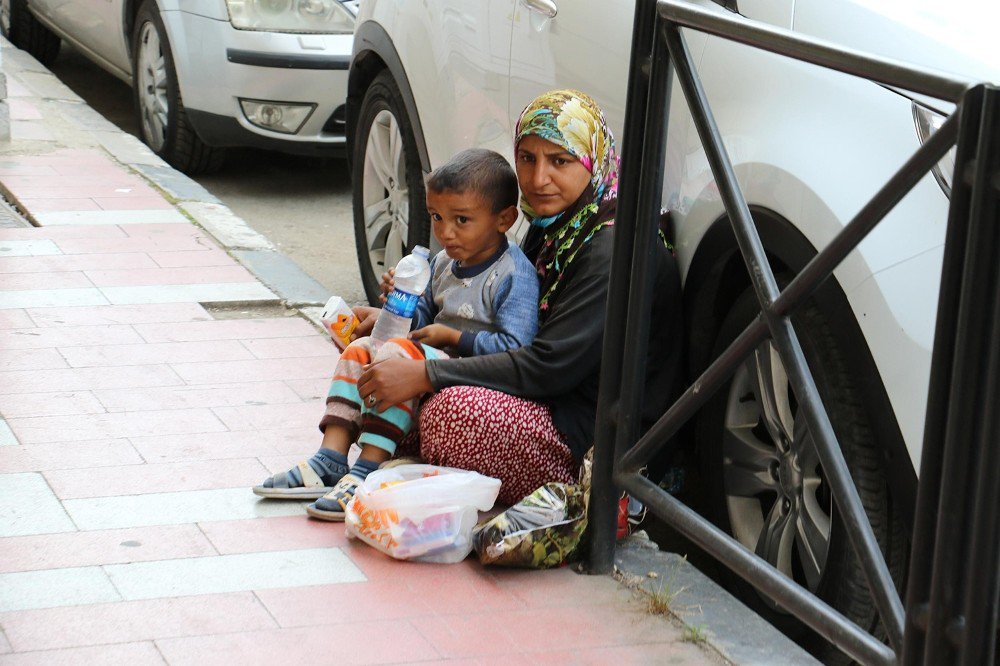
(526, 416)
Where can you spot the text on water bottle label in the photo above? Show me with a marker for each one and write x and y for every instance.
(401, 303)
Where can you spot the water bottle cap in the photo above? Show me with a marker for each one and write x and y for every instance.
(421, 251)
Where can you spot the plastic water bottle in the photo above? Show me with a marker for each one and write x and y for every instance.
(412, 274)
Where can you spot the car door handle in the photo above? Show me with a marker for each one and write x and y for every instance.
(546, 8)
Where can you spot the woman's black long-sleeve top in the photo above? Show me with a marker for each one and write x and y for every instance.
(561, 368)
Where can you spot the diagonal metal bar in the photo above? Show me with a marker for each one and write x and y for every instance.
(815, 51)
(696, 395)
(801, 287)
(807, 607)
(858, 527)
(823, 264)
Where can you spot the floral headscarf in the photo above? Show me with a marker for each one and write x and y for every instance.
(572, 120)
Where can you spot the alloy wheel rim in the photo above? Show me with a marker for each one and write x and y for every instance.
(154, 106)
(385, 195)
(778, 502)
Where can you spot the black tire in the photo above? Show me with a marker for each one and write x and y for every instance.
(177, 143)
(381, 98)
(841, 582)
(26, 32)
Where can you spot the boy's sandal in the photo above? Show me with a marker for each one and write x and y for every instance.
(332, 505)
(310, 479)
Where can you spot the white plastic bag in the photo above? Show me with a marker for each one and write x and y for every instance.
(420, 512)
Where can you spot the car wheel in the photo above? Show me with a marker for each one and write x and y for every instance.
(390, 214)
(765, 485)
(25, 31)
(157, 99)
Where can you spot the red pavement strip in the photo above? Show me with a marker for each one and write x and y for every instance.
(122, 401)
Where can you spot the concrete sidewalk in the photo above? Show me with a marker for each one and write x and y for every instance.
(148, 379)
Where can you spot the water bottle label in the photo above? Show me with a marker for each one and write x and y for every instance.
(401, 303)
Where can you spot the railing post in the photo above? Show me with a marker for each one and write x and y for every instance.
(954, 580)
(603, 494)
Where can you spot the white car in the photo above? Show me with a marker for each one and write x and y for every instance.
(809, 146)
(209, 74)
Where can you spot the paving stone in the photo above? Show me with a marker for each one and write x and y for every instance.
(175, 508)
(64, 403)
(55, 204)
(111, 217)
(78, 262)
(269, 417)
(313, 345)
(47, 338)
(7, 437)
(27, 506)
(78, 457)
(51, 298)
(153, 202)
(36, 281)
(183, 397)
(83, 549)
(81, 427)
(28, 248)
(132, 654)
(214, 257)
(169, 276)
(226, 329)
(72, 379)
(389, 643)
(190, 293)
(233, 573)
(131, 621)
(55, 587)
(153, 353)
(288, 440)
(269, 534)
(15, 319)
(31, 359)
(257, 370)
(59, 233)
(157, 477)
(133, 244)
(167, 314)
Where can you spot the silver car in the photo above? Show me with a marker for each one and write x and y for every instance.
(209, 74)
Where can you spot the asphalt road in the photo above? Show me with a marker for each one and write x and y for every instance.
(301, 204)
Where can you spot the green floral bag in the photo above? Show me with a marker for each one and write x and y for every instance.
(539, 532)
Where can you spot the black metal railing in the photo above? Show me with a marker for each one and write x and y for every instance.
(958, 433)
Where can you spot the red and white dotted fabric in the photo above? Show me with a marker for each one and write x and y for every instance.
(496, 434)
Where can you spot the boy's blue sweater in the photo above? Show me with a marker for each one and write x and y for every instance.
(493, 303)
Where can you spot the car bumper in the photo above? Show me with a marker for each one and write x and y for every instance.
(217, 66)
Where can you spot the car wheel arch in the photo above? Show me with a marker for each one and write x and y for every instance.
(374, 52)
(714, 281)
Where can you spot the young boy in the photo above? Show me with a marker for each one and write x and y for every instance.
(482, 299)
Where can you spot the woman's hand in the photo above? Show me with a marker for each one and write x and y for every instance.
(366, 320)
(437, 335)
(388, 282)
(393, 381)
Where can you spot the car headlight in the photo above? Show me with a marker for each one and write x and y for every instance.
(928, 121)
(315, 16)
